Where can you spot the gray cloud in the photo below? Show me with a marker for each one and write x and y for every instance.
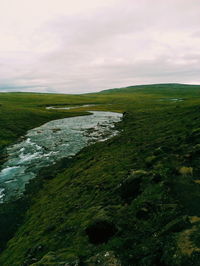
(125, 43)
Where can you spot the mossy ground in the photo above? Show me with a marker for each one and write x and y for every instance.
(157, 138)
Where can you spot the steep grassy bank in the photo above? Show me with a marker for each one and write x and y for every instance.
(134, 198)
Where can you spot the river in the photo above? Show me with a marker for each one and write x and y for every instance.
(49, 143)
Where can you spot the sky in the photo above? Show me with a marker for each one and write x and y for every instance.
(81, 46)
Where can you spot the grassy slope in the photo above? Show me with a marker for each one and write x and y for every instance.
(156, 137)
(159, 89)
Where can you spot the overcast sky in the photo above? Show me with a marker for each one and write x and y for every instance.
(76, 46)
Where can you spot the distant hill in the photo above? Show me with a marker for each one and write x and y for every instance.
(153, 88)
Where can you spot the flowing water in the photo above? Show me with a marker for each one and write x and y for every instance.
(49, 143)
(70, 107)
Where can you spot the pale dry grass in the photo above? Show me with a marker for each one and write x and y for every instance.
(185, 171)
(184, 242)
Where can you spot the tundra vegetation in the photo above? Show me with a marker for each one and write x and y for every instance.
(131, 200)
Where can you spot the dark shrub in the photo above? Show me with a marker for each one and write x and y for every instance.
(130, 188)
(100, 231)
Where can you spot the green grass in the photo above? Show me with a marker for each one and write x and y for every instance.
(98, 184)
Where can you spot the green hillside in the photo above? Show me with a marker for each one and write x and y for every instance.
(132, 200)
(170, 89)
